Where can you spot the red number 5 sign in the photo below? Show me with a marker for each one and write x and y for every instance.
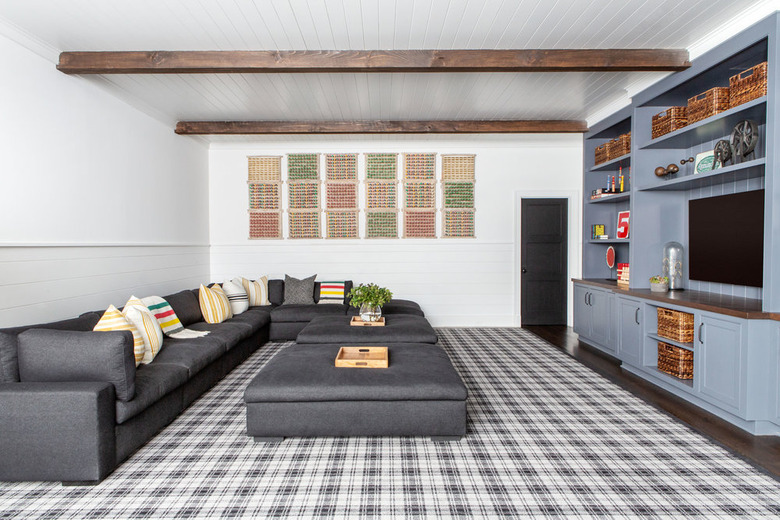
(623, 224)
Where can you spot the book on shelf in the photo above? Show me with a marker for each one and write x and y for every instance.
(597, 231)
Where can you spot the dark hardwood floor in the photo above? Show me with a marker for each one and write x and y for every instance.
(761, 451)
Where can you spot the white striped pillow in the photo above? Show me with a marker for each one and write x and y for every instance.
(332, 292)
(111, 320)
(256, 290)
(146, 324)
(214, 304)
(239, 301)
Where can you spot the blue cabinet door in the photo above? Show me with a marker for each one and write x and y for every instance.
(581, 311)
(602, 317)
(629, 333)
(720, 364)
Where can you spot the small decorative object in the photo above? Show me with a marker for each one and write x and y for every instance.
(610, 257)
(723, 153)
(370, 298)
(659, 283)
(669, 170)
(705, 162)
(673, 264)
(623, 275)
(623, 222)
(744, 138)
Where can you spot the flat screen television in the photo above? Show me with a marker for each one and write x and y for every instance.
(726, 239)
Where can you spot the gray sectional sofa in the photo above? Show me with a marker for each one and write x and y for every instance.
(73, 406)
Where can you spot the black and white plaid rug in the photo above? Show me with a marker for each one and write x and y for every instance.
(548, 438)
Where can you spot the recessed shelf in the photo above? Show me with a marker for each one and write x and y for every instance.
(614, 164)
(686, 346)
(735, 172)
(609, 241)
(684, 383)
(617, 197)
(715, 126)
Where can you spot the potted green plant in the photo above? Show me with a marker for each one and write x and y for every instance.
(370, 298)
(659, 283)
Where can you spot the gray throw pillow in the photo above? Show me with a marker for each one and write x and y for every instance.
(299, 292)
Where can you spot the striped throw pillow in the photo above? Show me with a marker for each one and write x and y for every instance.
(111, 320)
(166, 317)
(214, 304)
(239, 301)
(257, 290)
(332, 292)
(145, 322)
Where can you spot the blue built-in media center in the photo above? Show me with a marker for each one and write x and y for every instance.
(735, 340)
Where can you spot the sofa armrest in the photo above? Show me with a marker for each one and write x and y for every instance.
(57, 431)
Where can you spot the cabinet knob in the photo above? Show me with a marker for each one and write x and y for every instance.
(523, 270)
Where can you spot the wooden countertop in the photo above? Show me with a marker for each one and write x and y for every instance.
(746, 308)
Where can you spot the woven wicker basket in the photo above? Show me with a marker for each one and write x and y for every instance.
(601, 154)
(619, 146)
(671, 119)
(675, 361)
(675, 325)
(747, 85)
(706, 104)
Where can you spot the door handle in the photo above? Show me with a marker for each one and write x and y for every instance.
(701, 326)
(590, 300)
(636, 316)
(586, 298)
(524, 270)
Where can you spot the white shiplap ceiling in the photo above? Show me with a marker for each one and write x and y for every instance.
(102, 25)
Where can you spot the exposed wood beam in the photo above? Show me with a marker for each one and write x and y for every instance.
(503, 60)
(378, 127)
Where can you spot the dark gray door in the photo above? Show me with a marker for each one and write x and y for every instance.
(543, 261)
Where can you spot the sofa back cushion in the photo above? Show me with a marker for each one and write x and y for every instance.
(276, 292)
(65, 356)
(9, 367)
(185, 305)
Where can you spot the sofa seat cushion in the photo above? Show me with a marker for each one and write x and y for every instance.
(229, 333)
(152, 383)
(306, 312)
(192, 354)
(395, 306)
(255, 317)
(306, 373)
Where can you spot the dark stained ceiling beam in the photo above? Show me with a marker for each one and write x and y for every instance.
(502, 60)
(377, 127)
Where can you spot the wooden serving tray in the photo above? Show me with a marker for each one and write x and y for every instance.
(362, 357)
(357, 322)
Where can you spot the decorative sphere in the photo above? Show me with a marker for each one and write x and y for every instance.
(660, 171)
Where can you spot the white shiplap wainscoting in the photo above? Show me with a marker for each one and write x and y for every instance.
(457, 283)
(51, 282)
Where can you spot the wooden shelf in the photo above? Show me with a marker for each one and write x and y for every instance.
(614, 164)
(686, 346)
(609, 241)
(734, 172)
(617, 197)
(719, 125)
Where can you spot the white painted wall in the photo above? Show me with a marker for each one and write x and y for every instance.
(458, 282)
(105, 200)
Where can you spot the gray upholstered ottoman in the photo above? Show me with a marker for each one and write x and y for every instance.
(399, 328)
(300, 393)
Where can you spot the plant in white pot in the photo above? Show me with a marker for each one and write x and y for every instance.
(659, 283)
(370, 298)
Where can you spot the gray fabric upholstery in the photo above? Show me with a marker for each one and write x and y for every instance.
(255, 317)
(56, 431)
(286, 330)
(9, 368)
(306, 312)
(298, 292)
(193, 354)
(399, 328)
(63, 356)
(276, 292)
(186, 306)
(152, 382)
(394, 306)
(228, 332)
(357, 418)
(135, 432)
(303, 373)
